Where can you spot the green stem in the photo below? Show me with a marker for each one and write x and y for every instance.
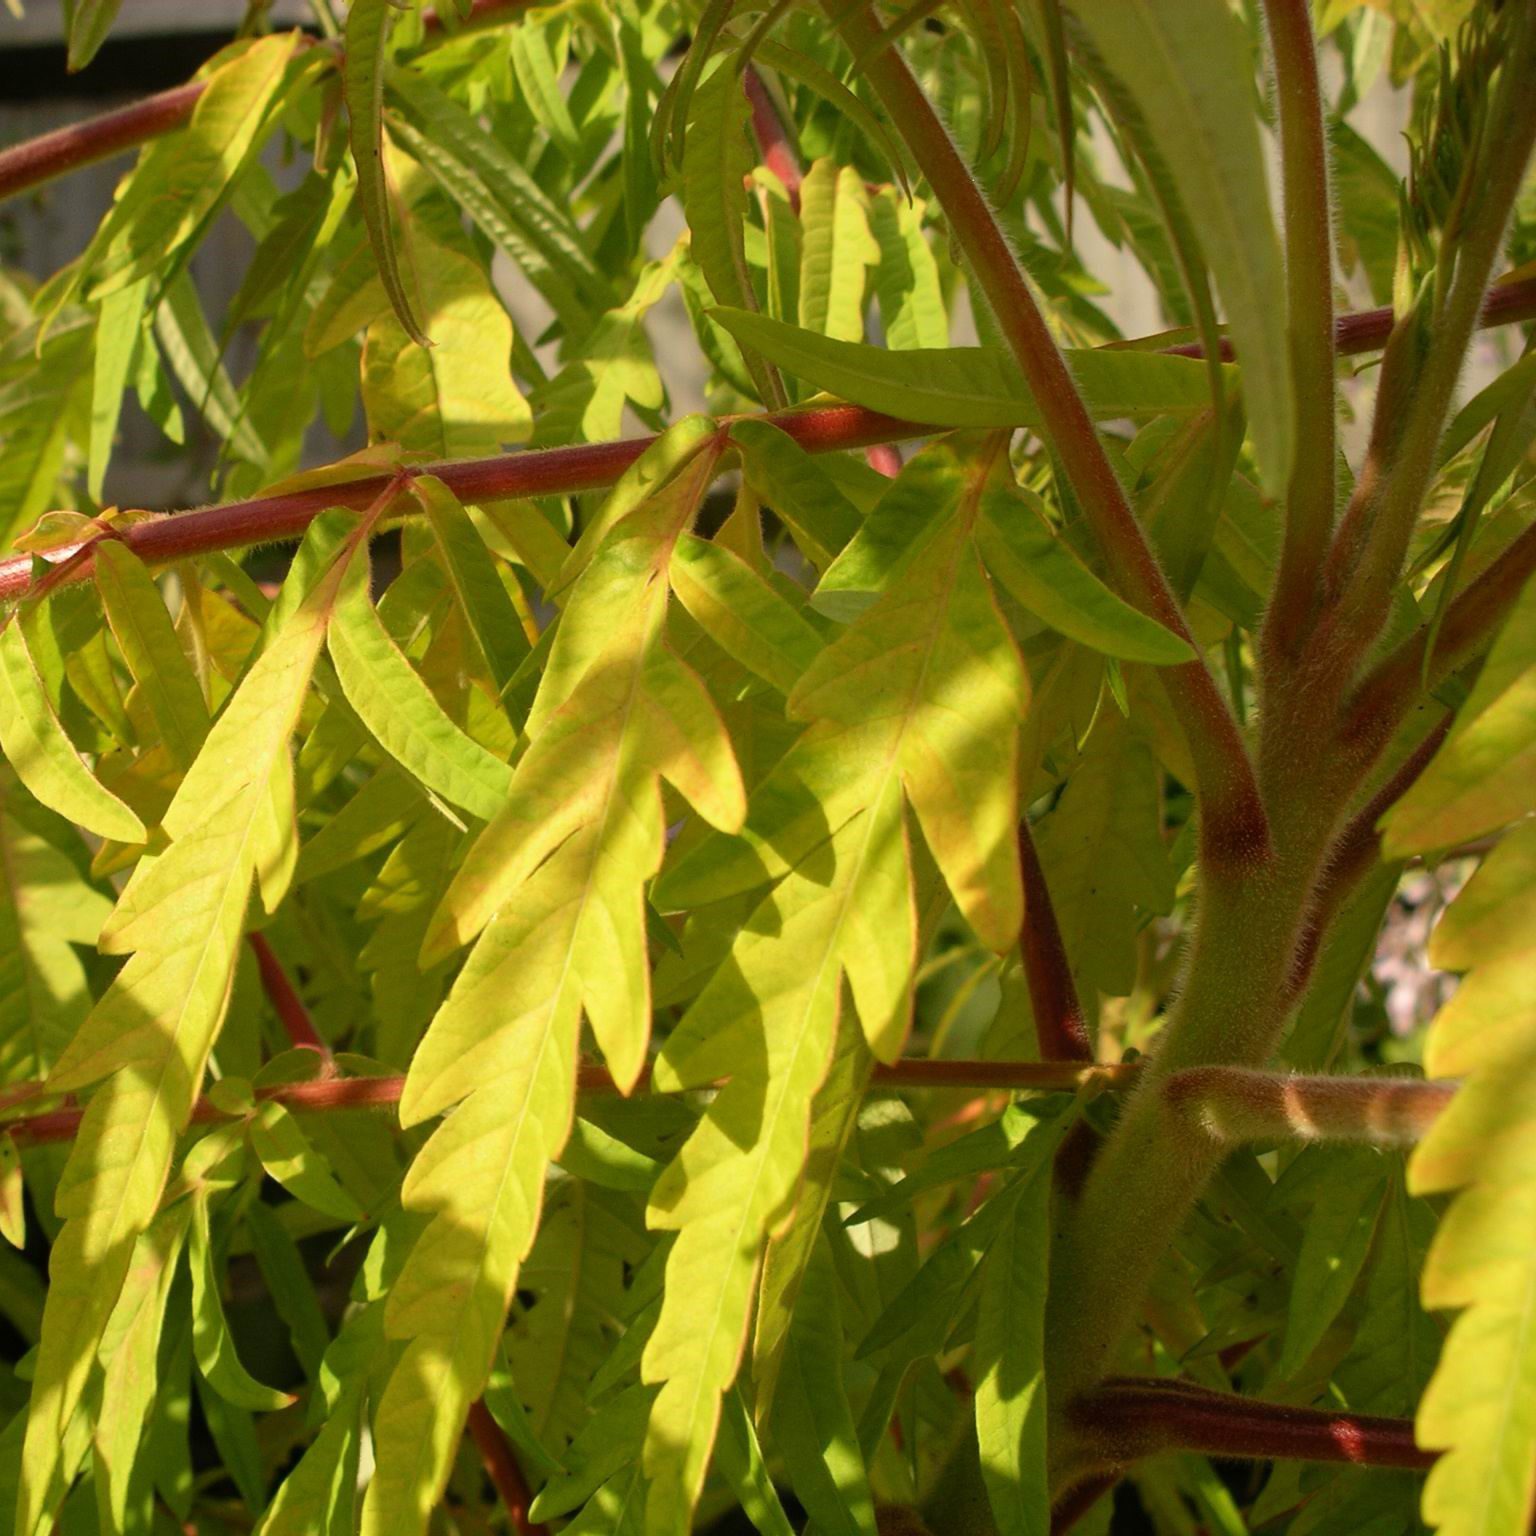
(1235, 834)
(1309, 284)
(1368, 553)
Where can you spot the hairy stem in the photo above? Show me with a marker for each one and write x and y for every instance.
(327, 1095)
(1233, 1105)
(1373, 538)
(1234, 830)
(1126, 1419)
(1309, 296)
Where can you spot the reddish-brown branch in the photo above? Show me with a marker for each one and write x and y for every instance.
(1367, 330)
(1124, 1419)
(322, 1095)
(1060, 1028)
(773, 145)
(1234, 1105)
(1077, 1501)
(285, 999)
(502, 1468)
(541, 472)
(55, 154)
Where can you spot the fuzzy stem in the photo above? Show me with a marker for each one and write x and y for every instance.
(1381, 703)
(1060, 1028)
(323, 1096)
(285, 1000)
(1354, 853)
(1373, 537)
(1309, 284)
(1234, 831)
(502, 1468)
(1232, 1106)
(1127, 1418)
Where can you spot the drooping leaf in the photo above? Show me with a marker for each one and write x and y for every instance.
(363, 72)
(38, 747)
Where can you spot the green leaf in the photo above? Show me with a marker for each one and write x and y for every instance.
(118, 333)
(148, 641)
(912, 308)
(1481, 778)
(291, 1158)
(45, 909)
(37, 746)
(838, 247)
(211, 1343)
(89, 21)
(1335, 1242)
(1480, 1407)
(483, 599)
(181, 914)
(399, 710)
(740, 612)
(454, 397)
(1189, 71)
(716, 161)
(180, 180)
(740, 1458)
(1042, 572)
(968, 386)
(1010, 1361)
(363, 71)
(813, 1426)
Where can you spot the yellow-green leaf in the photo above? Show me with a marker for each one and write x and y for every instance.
(37, 746)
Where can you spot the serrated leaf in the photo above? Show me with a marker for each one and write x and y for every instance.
(181, 914)
(292, 1159)
(1480, 1406)
(1043, 573)
(742, 613)
(180, 181)
(813, 1426)
(37, 746)
(968, 386)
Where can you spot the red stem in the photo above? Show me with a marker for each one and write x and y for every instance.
(507, 476)
(773, 144)
(98, 138)
(284, 997)
(321, 1095)
(1060, 1029)
(502, 1468)
(1128, 1418)
(590, 466)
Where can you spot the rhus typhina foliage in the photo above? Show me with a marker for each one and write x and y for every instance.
(765, 916)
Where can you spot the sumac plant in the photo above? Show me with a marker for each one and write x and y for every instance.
(808, 963)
